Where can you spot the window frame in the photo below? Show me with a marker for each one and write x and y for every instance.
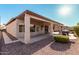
(21, 28)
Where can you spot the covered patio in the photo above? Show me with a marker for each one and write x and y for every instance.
(30, 28)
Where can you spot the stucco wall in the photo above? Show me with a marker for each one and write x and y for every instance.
(11, 28)
(20, 34)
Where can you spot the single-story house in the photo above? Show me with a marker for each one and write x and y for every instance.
(29, 24)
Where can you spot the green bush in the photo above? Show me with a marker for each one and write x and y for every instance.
(76, 29)
(61, 38)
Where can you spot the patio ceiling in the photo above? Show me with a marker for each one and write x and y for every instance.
(39, 21)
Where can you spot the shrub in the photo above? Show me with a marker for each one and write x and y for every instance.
(61, 38)
(76, 29)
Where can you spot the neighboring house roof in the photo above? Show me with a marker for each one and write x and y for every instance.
(34, 14)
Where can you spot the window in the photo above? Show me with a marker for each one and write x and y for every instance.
(21, 28)
(37, 28)
(41, 27)
(32, 28)
(53, 26)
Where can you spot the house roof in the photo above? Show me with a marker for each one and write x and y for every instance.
(33, 14)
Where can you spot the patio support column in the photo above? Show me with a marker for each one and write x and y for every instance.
(17, 28)
(51, 28)
(27, 29)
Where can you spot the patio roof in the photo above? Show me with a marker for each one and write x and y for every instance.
(33, 14)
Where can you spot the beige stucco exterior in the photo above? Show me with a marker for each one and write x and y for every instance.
(19, 34)
(27, 20)
(11, 28)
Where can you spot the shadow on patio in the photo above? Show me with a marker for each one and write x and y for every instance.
(60, 46)
(40, 44)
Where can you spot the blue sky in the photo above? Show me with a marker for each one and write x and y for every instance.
(52, 11)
